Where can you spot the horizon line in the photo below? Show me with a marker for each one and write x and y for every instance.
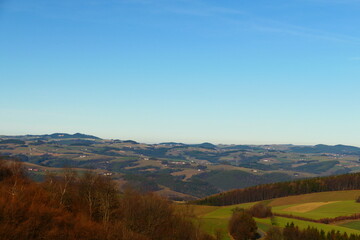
(180, 142)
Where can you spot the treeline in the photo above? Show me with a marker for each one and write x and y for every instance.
(321, 220)
(234, 179)
(259, 210)
(291, 232)
(87, 207)
(283, 189)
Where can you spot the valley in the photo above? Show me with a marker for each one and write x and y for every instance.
(176, 170)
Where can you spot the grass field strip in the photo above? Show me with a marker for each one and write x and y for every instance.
(306, 207)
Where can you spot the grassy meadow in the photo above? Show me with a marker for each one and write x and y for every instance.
(313, 206)
(351, 224)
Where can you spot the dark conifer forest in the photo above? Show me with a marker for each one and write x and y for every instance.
(292, 232)
(283, 189)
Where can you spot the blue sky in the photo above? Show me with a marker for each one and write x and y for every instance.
(182, 70)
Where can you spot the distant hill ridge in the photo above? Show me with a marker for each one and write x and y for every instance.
(320, 148)
(76, 135)
(54, 136)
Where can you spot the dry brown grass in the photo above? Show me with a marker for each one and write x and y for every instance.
(168, 193)
(306, 207)
(316, 197)
(146, 163)
(187, 172)
(201, 210)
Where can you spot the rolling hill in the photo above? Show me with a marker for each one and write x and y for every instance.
(187, 171)
(313, 206)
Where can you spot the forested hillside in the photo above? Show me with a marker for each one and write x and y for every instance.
(282, 189)
(177, 170)
(86, 207)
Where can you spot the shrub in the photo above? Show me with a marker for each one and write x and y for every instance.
(260, 210)
(242, 226)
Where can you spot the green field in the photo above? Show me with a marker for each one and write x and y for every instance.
(225, 212)
(281, 222)
(210, 225)
(316, 197)
(330, 210)
(353, 225)
(314, 206)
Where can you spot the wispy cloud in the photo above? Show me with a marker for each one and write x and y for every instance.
(333, 1)
(225, 15)
(191, 7)
(261, 24)
(294, 30)
(203, 12)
